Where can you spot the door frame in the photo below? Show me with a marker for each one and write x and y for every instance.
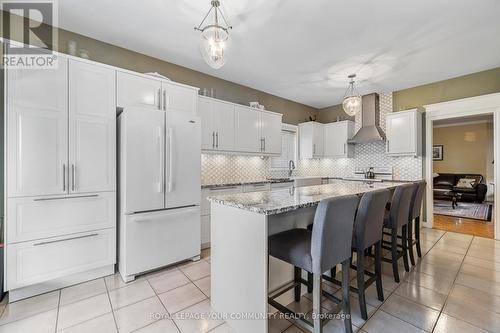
(479, 105)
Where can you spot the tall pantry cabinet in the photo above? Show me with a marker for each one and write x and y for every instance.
(61, 175)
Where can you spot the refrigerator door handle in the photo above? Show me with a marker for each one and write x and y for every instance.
(170, 159)
(160, 148)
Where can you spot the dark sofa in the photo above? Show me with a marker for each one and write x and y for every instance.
(445, 184)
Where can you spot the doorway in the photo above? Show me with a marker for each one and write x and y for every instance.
(483, 110)
(463, 178)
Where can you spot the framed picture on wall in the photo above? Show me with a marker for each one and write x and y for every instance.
(437, 152)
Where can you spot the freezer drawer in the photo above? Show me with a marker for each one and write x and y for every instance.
(42, 217)
(51, 258)
(155, 239)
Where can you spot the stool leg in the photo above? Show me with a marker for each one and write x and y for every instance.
(318, 328)
(417, 236)
(410, 242)
(394, 253)
(309, 282)
(346, 306)
(297, 290)
(378, 270)
(360, 272)
(404, 245)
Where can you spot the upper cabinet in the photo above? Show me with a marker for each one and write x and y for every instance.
(61, 130)
(229, 127)
(153, 93)
(311, 140)
(217, 124)
(403, 131)
(138, 91)
(336, 136)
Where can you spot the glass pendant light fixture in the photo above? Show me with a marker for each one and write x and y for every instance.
(352, 99)
(214, 37)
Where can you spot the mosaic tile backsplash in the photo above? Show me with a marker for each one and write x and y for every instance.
(217, 169)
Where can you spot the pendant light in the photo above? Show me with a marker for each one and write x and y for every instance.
(352, 99)
(214, 37)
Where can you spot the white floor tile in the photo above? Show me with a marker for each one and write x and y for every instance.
(102, 324)
(139, 314)
(89, 308)
(29, 307)
(169, 280)
(181, 298)
(197, 270)
(130, 294)
(82, 290)
(40, 323)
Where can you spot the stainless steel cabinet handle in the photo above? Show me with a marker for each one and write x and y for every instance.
(345, 147)
(164, 100)
(159, 98)
(73, 173)
(314, 148)
(387, 147)
(217, 139)
(64, 198)
(64, 177)
(65, 239)
(264, 144)
(213, 139)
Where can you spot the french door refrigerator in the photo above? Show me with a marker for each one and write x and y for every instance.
(159, 185)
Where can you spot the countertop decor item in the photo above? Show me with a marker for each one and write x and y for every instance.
(352, 99)
(214, 40)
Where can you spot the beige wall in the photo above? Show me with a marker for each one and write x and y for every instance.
(466, 149)
(476, 84)
(293, 112)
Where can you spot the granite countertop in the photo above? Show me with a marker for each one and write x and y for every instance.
(284, 200)
(264, 181)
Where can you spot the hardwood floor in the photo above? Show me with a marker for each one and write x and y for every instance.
(464, 226)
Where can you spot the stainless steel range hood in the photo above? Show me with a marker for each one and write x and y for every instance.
(370, 130)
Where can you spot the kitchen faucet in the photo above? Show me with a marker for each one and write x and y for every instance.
(291, 167)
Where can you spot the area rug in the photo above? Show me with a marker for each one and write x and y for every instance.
(470, 210)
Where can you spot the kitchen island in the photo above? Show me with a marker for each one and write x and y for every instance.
(242, 274)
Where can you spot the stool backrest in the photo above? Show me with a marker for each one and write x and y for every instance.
(416, 201)
(332, 232)
(400, 205)
(369, 220)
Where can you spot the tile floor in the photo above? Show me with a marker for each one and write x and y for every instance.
(455, 287)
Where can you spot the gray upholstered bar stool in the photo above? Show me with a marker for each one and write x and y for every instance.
(397, 219)
(317, 251)
(368, 227)
(415, 208)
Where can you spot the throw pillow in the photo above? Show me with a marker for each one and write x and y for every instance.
(466, 182)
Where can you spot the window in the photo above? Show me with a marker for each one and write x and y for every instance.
(288, 148)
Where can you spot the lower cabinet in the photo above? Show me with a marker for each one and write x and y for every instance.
(38, 261)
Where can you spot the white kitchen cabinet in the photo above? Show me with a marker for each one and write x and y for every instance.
(92, 128)
(217, 124)
(270, 124)
(177, 97)
(335, 139)
(138, 91)
(51, 258)
(404, 133)
(37, 131)
(311, 139)
(247, 130)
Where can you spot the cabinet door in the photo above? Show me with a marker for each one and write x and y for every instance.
(335, 138)
(142, 139)
(207, 127)
(178, 98)
(223, 119)
(37, 131)
(247, 130)
(137, 91)
(401, 133)
(92, 128)
(271, 132)
(318, 139)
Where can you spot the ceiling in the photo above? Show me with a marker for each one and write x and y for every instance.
(304, 50)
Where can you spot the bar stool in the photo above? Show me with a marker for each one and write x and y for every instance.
(317, 251)
(368, 227)
(415, 207)
(397, 218)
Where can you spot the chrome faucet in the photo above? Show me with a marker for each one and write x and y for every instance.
(291, 167)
